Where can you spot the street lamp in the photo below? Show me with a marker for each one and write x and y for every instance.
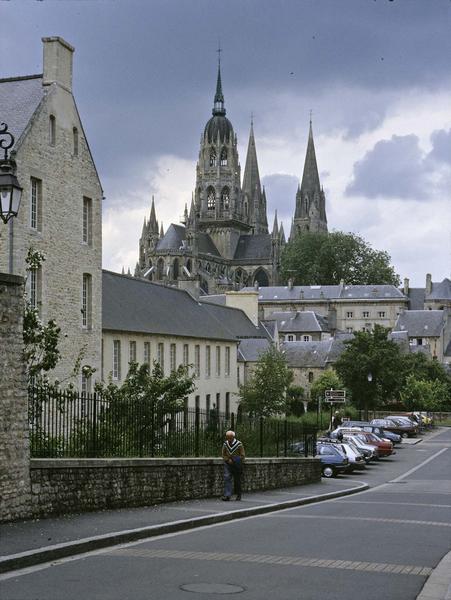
(10, 190)
(370, 379)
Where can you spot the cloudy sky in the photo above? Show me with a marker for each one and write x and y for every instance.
(375, 73)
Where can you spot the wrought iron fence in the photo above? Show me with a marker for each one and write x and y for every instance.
(65, 424)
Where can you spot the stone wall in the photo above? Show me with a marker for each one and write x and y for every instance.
(71, 485)
(14, 443)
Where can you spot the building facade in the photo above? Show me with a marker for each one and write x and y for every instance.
(60, 212)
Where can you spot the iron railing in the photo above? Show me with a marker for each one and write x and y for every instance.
(66, 424)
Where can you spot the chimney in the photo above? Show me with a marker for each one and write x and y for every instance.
(428, 283)
(406, 286)
(58, 62)
(290, 284)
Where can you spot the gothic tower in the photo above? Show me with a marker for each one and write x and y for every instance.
(254, 198)
(218, 198)
(310, 214)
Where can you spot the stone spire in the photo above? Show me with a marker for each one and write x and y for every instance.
(275, 227)
(252, 189)
(282, 235)
(218, 106)
(153, 223)
(310, 178)
(161, 231)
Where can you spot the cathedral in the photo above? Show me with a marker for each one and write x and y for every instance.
(223, 242)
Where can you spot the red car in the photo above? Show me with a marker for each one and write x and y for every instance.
(384, 447)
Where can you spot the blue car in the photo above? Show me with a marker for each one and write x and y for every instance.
(332, 460)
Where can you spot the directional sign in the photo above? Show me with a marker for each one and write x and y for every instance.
(335, 395)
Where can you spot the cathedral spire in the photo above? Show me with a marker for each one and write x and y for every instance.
(310, 178)
(275, 227)
(218, 107)
(153, 223)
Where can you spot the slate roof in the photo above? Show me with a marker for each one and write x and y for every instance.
(416, 298)
(19, 99)
(299, 321)
(314, 354)
(250, 350)
(254, 247)
(421, 323)
(176, 235)
(136, 305)
(440, 291)
(328, 292)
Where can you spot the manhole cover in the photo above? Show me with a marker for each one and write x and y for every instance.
(212, 588)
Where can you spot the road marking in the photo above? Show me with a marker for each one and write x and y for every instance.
(422, 464)
(393, 503)
(374, 519)
(323, 563)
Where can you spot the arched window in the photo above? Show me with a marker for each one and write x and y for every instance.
(211, 199)
(188, 265)
(246, 209)
(223, 157)
(75, 140)
(175, 268)
(150, 276)
(225, 198)
(160, 269)
(261, 277)
(52, 130)
(212, 157)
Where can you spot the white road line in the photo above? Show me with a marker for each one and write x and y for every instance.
(421, 465)
(373, 519)
(393, 503)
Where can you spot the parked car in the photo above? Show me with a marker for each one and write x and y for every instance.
(380, 431)
(369, 451)
(408, 422)
(356, 458)
(400, 428)
(333, 461)
(384, 447)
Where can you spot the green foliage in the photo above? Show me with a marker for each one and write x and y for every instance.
(326, 258)
(371, 352)
(265, 392)
(423, 367)
(328, 380)
(420, 394)
(295, 398)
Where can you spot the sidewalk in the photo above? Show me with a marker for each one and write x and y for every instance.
(27, 543)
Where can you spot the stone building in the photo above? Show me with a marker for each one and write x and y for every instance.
(147, 322)
(60, 213)
(224, 242)
(430, 329)
(300, 326)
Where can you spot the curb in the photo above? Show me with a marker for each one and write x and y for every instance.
(63, 550)
(438, 584)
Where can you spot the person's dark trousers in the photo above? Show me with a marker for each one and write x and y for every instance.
(236, 470)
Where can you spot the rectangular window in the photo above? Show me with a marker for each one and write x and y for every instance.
(197, 402)
(86, 308)
(52, 130)
(381, 314)
(160, 355)
(218, 403)
(310, 376)
(75, 140)
(185, 355)
(227, 406)
(147, 353)
(365, 314)
(349, 329)
(116, 359)
(207, 361)
(87, 221)
(34, 288)
(208, 404)
(349, 315)
(197, 361)
(227, 361)
(173, 357)
(35, 203)
(306, 338)
(218, 361)
(290, 338)
(132, 352)
(85, 384)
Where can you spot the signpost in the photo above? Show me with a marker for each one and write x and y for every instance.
(334, 397)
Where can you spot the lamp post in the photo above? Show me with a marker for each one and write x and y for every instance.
(10, 190)
(370, 379)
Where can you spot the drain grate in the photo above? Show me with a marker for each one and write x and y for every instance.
(212, 588)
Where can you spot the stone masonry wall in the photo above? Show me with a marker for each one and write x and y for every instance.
(71, 485)
(14, 444)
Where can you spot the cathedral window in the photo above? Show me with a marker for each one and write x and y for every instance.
(223, 157)
(246, 210)
(225, 198)
(175, 269)
(160, 269)
(212, 157)
(211, 199)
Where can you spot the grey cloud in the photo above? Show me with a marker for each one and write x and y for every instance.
(281, 196)
(394, 168)
(441, 146)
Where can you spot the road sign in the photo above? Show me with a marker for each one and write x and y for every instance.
(335, 396)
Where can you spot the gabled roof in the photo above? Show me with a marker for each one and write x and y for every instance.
(254, 247)
(421, 323)
(314, 354)
(298, 321)
(175, 237)
(250, 350)
(19, 99)
(440, 290)
(140, 306)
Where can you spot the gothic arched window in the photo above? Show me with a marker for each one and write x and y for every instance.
(246, 210)
(175, 268)
(160, 269)
(261, 277)
(225, 198)
(223, 157)
(212, 157)
(211, 199)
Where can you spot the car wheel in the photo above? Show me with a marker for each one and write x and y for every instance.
(328, 472)
(404, 435)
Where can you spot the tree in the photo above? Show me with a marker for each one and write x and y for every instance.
(265, 392)
(295, 401)
(420, 394)
(328, 380)
(317, 258)
(371, 368)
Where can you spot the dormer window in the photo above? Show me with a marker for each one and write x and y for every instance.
(223, 157)
(212, 157)
(211, 199)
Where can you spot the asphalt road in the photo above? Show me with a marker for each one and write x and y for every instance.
(379, 544)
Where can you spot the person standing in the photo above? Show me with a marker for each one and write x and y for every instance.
(233, 456)
(336, 421)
